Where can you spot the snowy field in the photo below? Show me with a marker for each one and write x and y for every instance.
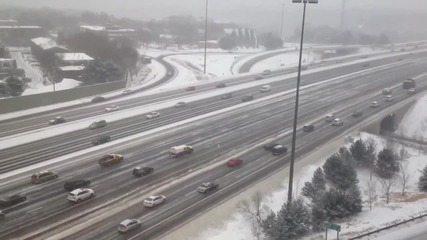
(63, 85)
(415, 124)
(284, 60)
(237, 227)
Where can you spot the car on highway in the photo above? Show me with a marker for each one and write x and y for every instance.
(98, 99)
(330, 117)
(43, 176)
(181, 150)
(411, 91)
(337, 122)
(127, 92)
(389, 98)
(259, 77)
(2, 214)
(169, 73)
(74, 184)
(303, 68)
(142, 171)
(154, 200)
(357, 114)
(266, 72)
(265, 88)
(111, 159)
(235, 162)
(226, 96)
(366, 65)
(247, 98)
(180, 104)
(57, 120)
(270, 146)
(308, 128)
(98, 124)
(81, 194)
(101, 139)
(152, 115)
(207, 187)
(386, 91)
(375, 104)
(220, 85)
(192, 88)
(112, 108)
(128, 225)
(11, 200)
(279, 149)
(408, 83)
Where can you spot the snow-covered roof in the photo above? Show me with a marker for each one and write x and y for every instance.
(73, 56)
(20, 27)
(122, 30)
(46, 43)
(72, 68)
(6, 59)
(93, 28)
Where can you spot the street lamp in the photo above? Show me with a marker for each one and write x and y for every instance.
(206, 35)
(294, 132)
(281, 23)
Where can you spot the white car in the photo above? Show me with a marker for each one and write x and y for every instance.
(337, 122)
(375, 104)
(152, 115)
(129, 224)
(180, 104)
(81, 194)
(154, 200)
(112, 108)
(127, 92)
(265, 88)
(389, 98)
(266, 72)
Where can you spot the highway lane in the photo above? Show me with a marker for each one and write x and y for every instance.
(45, 149)
(27, 123)
(184, 202)
(251, 125)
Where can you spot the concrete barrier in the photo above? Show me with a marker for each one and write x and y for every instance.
(43, 99)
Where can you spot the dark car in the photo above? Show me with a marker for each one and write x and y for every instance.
(226, 96)
(234, 162)
(190, 88)
(366, 65)
(207, 187)
(409, 83)
(98, 124)
(357, 114)
(258, 77)
(57, 120)
(101, 139)
(308, 128)
(248, 98)
(73, 185)
(279, 149)
(12, 200)
(43, 176)
(142, 171)
(270, 146)
(98, 99)
(220, 85)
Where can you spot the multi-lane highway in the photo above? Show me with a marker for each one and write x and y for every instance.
(215, 139)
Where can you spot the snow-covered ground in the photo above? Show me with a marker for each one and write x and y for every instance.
(284, 60)
(414, 124)
(238, 226)
(31, 71)
(63, 85)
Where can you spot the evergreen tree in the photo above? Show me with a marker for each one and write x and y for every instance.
(317, 184)
(309, 190)
(15, 86)
(359, 152)
(318, 213)
(422, 183)
(291, 222)
(387, 164)
(227, 43)
(354, 199)
(340, 174)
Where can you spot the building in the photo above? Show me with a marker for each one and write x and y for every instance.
(7, 64)
(71, 65)
(113, 32)
(209, 44)
(44, 50)
(19, 36)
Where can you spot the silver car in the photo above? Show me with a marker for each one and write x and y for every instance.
(152, 115)
(154, 200)
(129, 224)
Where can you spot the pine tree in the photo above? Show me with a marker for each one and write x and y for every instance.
(318, 214)
(340, 174)
(422, 183)
(15, 85)
(309, 190)
(291, 222)
(359, 152)
(354, 199)
(387, 164)
(317, 184)
(345, 154)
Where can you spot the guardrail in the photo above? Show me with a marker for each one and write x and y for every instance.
(389, 226)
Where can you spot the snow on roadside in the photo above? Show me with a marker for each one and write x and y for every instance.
(65, 84)
(238, 227)
(284, 60)
(414, 123)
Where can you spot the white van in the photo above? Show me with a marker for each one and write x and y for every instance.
(265, 88)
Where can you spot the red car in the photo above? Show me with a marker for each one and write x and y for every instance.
(234, 162)
(191, 88)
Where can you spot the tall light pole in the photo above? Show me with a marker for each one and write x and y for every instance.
(342, 16)
(206, 35)
(294, 132)
(281, 23)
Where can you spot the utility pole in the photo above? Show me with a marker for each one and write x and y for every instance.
(206, 36)
(342, 16)
(281, 23)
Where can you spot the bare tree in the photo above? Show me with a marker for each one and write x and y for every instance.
(371, 155)
(404, 177)
(403, 154)
(386, 185)
(372, 192)
(253, 211)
